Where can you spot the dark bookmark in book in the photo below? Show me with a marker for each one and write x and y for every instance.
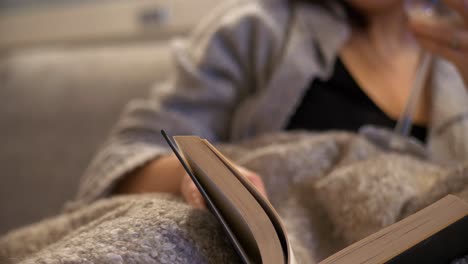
(436, 234)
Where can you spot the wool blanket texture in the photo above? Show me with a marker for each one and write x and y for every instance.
(330, 189)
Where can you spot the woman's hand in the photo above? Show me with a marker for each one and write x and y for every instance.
(163, 174)
(193, 196)
(166, 174)
(448, 40)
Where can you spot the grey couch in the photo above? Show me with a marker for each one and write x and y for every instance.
(57, 106)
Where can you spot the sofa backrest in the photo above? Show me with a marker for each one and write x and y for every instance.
(57, 106)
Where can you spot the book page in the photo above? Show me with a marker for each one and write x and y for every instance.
(269, 209)
(244, 215)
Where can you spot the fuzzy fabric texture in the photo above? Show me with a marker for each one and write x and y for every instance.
(330, 190)
(127, 229)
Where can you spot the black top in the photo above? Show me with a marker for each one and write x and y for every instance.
(340, 104)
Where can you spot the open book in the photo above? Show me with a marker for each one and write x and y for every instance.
(436, 234)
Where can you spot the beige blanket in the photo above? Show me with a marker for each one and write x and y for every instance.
(330, 190)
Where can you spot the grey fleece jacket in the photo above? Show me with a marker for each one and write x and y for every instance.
(242, 73)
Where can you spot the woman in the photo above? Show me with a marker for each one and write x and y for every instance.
(261, 66)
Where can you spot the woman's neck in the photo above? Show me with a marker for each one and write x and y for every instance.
(386, 33)
(383, 59)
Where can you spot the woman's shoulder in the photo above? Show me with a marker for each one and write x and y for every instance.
(234, 10)
(247, 16)
(262, 22)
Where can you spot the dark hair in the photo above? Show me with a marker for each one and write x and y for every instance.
(353, 15)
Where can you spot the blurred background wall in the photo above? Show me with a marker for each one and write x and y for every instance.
(67, 68)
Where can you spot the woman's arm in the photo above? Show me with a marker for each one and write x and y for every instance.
(213, 73)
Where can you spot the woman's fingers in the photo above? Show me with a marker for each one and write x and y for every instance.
(444, 34)
(454, 55)
(460, 6)
(254, 178)
(191, 194)
(448, 37)
(447, 32)
(448, 41)
(193, 197)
